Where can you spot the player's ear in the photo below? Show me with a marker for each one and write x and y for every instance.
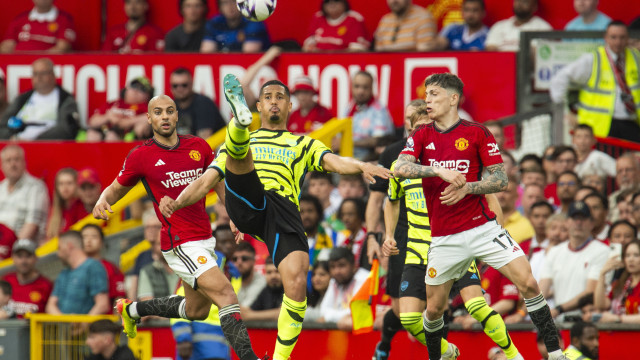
(259, 105)
(148, 118)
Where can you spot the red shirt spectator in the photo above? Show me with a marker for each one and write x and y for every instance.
(498, 287)
(115, 278)
(39, 31)
(310, 115)
(146, 38)
(7, 238)
(344, 32)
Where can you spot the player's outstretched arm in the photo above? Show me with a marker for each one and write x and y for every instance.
(109, 196)
(347, 165)
(391, 213)
(495, 182)
(407, 168)
(191, 194)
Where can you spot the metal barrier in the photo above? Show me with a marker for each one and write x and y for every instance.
(61, 337)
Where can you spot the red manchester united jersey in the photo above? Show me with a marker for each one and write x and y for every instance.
(33, 32)
(146, 38)
(167, 171)
(28, 298)
(115, 278)
(466, 147)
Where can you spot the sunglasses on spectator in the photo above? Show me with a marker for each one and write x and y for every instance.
(242, 258)
(395, 33)
(184, 85)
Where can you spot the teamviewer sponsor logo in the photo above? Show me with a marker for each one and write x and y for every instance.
(181, 178)
(459, 165)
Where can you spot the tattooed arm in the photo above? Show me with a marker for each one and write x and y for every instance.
(406, 168)
(495, 182)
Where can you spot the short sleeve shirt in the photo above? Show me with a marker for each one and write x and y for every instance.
(230, 40)
(417, 27)
(36, 32)
(115, 279)
(201, 114)
(177, 40)
(346, 32)
(28, 203)
(301, 125)
(459, 38)
(167, 171)
(76, 288)
(466, 147)
(31, 297)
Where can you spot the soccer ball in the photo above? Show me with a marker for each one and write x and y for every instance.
(256, 10)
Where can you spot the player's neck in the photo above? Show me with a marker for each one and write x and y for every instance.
(276, 126)
(448, 120)
(168, 141)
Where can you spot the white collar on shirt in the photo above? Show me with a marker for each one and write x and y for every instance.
(50, 15)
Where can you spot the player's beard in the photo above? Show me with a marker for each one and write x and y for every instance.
(591, 354)
(164, 133)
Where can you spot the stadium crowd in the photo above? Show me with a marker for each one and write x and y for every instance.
(579, 233)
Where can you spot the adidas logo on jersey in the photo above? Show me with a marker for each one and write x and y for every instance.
(160, 162)
(430, 147)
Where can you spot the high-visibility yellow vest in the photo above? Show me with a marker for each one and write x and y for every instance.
(597, 98)
(574, 354)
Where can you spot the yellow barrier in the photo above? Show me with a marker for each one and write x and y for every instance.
(61, 337)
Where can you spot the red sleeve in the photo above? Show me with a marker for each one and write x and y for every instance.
(357, 33)
(67, 30)
(488, 148)
(116, 288)
(132, 169)
(209, 155)
(13, 29)
(508, 291)
(315, 23)
(414, 143)
(156, 39)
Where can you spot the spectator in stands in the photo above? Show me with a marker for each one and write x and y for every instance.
(244, 258)
(89, 188)
(623, 206)
(568, 185)
(584, 341)
(627, 179)
(7, 239)
(622, 232)
(152, 227)
(573, 267)
(267, 305)
(156, 279)
(31, 290)
(589, 18)
(611, 106)
(528, 161)
(44, 28)
(622, 304)
(371, 120)
(599, 208)
(136, 35)
(594, 181)
(187, 37)
(319, 241)
(46, 112)
(319, 285)
(346, 280)
(634, 41)
(539, 214)
(81, 288)
(101, 340)
(310, 115)
(197, 114)
(352, 186)
(407, 27)
(229, 31)
(556, 231)
(336, 27)
(531, 194)
(3, 94)
(590, 160)
(469, 35)
(504, 35)
(495, 127)
(125, 118)
(67, 209)
(24, 201)
(93, 243)
(351, 213)
(6, 311)
(564, 158)
(321, 186)
(548, 163)
(517, 225)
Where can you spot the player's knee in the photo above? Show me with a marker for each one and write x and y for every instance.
(529, 287)
(435, 310)
(197, 313)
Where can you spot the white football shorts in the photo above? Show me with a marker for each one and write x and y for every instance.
(191, 259)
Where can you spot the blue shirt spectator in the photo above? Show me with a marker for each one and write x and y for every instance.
(600, 23)
(460, 39)
(231, 32)
(76, 288)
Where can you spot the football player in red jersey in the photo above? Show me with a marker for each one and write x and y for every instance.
(452, 155)
(166, 164)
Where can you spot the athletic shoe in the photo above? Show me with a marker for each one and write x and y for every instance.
(379, 354)
(128, 323)
(452, 352)
(235, 97)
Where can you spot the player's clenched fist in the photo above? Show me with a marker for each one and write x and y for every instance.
(451, 176)
(102, 210)
(167, 206)
(389, 247)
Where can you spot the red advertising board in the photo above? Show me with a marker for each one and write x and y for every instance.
(489, 77)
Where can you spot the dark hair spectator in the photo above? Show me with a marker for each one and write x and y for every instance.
(336, 27)
(187, 37)
(137, 34)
